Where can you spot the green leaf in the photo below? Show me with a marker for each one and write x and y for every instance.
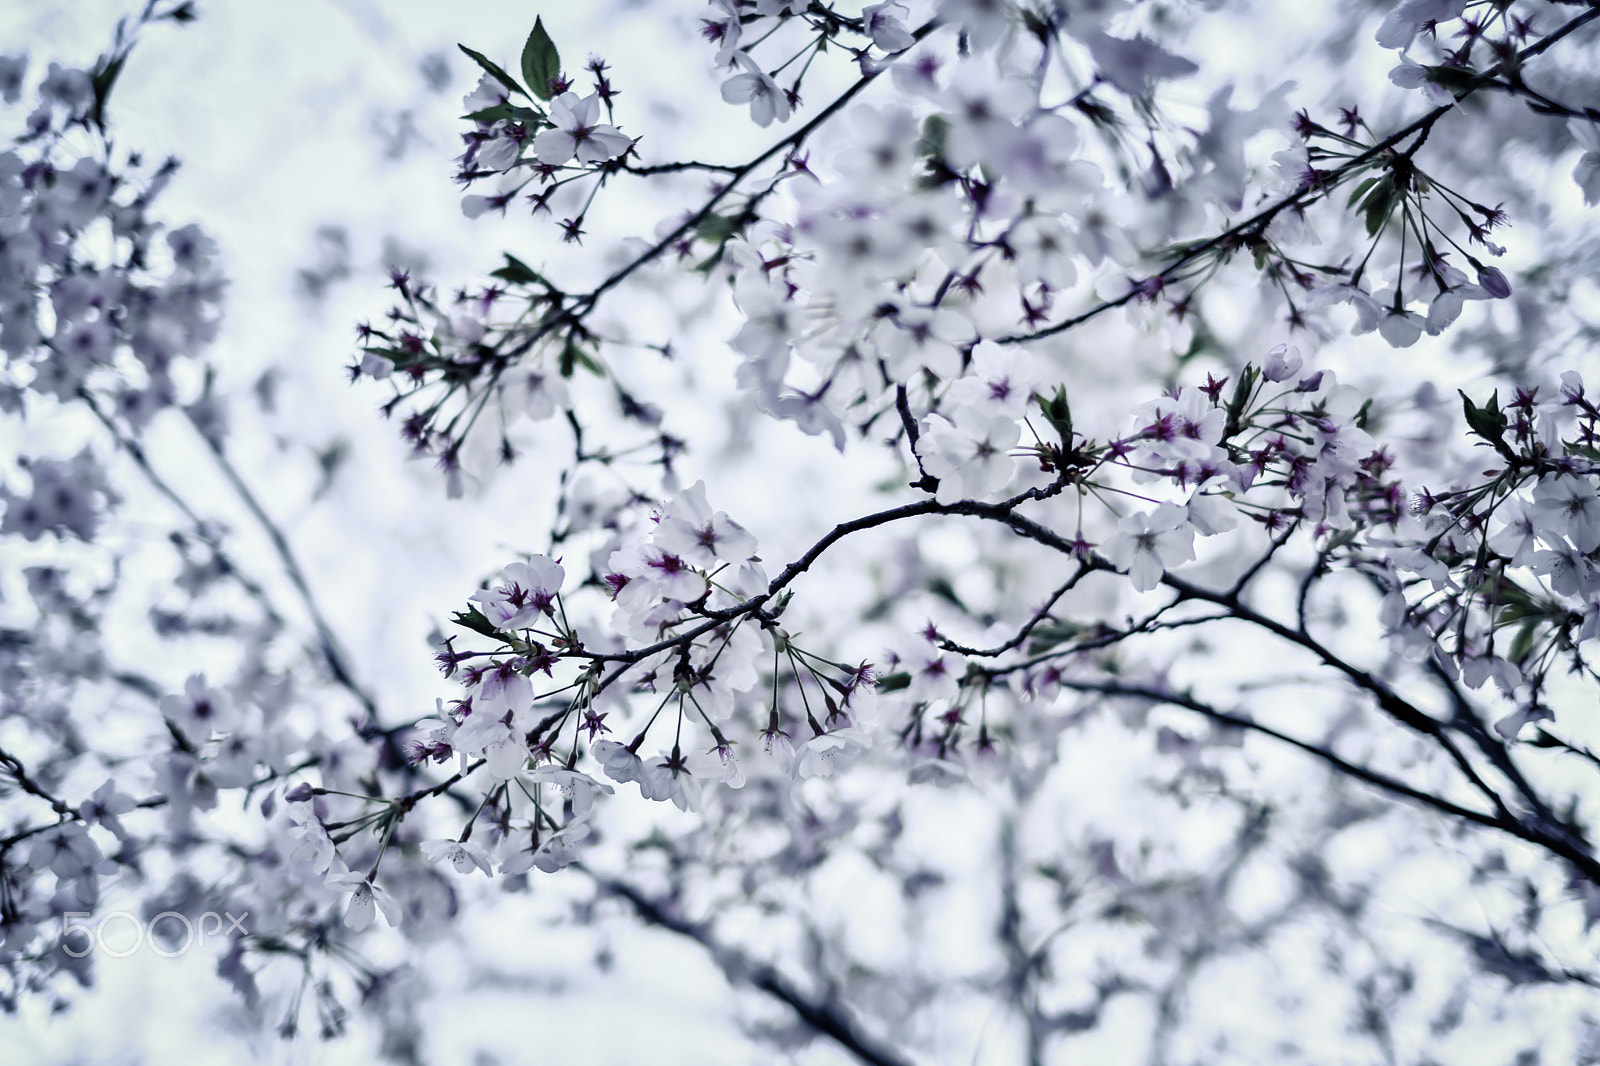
(1360, 191)
(935, 128)
(1059, 414)
(518, 273)
(1488, 421)
(1523, 644)
(573, 357)
(494, 70)
(1051, 634)
(942, 588)
(475, 620)
(894, 682)
(101, 80)
(1242, 390)
(1384, 196)
(531, 117)
(716, 229)
(541, 63)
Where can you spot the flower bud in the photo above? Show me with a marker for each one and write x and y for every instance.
(1283, 363)
(1494, 282)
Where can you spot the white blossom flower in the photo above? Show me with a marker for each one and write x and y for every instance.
(542, 392)
(366, 900)
(620, 764)
(575, 785)
(885, 23)
(1587, 172)
(1283, 363)
(1401, 26)
(971, 456)
(200, 711)
(1149, 544)
(578, 133)
(671, 777)
(1401, 328)
(523, 593)
(1413, 75)
(66, 850)
(104, 805)
(699, 536)
(1514, 535)
(828, 752)
(1567, 505)
(311, 838)
(461, 854)
(756, 88)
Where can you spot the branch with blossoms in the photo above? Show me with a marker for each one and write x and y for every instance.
(878, 257)
(693, 611)
(1289, 451)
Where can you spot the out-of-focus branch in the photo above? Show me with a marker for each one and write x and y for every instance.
(825, 1016)
(332, 653)
(1502, 820)
(1259, 221)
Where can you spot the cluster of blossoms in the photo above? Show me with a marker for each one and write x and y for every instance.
(1285, 449)
(695, 617)
(524, 143)
(101, 304)
(979, 194)
(1502, 567)
(106, 310)
(910, 275)
(689, 587)
(918, 261)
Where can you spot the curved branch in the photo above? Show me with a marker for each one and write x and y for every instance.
(1261, 218)
(1503, 822)
(825, 1016)
(332, 653)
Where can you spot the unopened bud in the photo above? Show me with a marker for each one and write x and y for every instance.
(1494, 282)
(1283, 363)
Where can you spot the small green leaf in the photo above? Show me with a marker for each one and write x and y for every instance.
(1242, 390)
(1059, 414)
(942, 588)
(541, 63)
(1052, 634)
(475, 620)
(101, 80)
(935, 128)
(494, 70)
(1488, 421)
(518, 273)
(1523, 644)
(1360, 191)
(1380, 204)
(716, 229)
(531, 117)
(573, 357)
(894, 682)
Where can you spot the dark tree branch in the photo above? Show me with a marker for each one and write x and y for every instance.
(332, 653)
(825, 1016)
(1258, 221)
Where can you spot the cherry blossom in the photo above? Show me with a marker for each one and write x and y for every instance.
(578, 134)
